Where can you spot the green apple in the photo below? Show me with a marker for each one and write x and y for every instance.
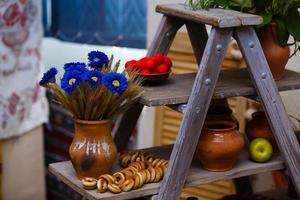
(260, 150)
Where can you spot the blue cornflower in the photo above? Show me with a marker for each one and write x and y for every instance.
(93, 78)
(115, 82)
(78, 66)
(49, 76)
(71, 80)
(97, 59)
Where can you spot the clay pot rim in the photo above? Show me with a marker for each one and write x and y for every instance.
(80, 121)
(232, 125)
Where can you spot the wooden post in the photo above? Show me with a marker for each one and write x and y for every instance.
(161, 43)
(127, 121)
(195, 114)
(267, 91)
(165, 35)
(198, 37)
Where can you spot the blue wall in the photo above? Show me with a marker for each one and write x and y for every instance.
(105, 22)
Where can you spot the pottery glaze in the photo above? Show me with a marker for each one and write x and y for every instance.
(258, 127)
(219, 145)
(276, 55)
(92, 151)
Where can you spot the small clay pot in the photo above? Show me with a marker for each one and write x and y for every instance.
(276, 55)
(219, 146)
(258, 127)
(93, 151)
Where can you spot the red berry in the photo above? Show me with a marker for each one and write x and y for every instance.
(145, 71)
(168, 61)
(141, 63)
(159, 58)
(130, 63)
(162, 68)
(150, 64)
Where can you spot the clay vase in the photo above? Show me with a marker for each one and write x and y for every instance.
(258, 127)
(219, 146)
(220, 113)
(276, 55)
(93, 151)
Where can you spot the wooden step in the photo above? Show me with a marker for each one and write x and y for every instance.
(65, 172)
(232, 82)
(217, 17)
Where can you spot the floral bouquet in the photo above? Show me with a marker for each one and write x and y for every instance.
(94, 92)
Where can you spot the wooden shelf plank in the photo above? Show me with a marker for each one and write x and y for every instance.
(216, 17)
(65, 172)
(233, 82)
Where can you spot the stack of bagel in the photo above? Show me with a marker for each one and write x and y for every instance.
(139, 168)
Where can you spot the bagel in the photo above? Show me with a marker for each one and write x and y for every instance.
(139, 165)
(152, 173)
(119, 178)
(141, 179)
(125, 160)
(148, 175)
(127, 173)
(160, 162)
(150, 159)
(108, 178)
(102, 185)
(114, 188)
(158, 174)
(89, 183)
(136, 182)
(127, 185)
(132, 169)
(144, 175)
(139, 168)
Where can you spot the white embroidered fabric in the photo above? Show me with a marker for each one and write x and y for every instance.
(23, 105)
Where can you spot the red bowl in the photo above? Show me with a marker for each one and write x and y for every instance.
(154, 79)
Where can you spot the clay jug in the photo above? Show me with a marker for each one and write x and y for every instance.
(220, 145)
(276, 55)
(93, 151)
(258, 127)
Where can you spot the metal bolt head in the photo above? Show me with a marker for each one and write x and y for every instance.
(263, 75)
(168, 34)
(251, 44)
(219, 47)
(183, 108)
(197, 109)
(207, 81)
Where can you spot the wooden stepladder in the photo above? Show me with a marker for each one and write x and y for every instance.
(210, 51)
